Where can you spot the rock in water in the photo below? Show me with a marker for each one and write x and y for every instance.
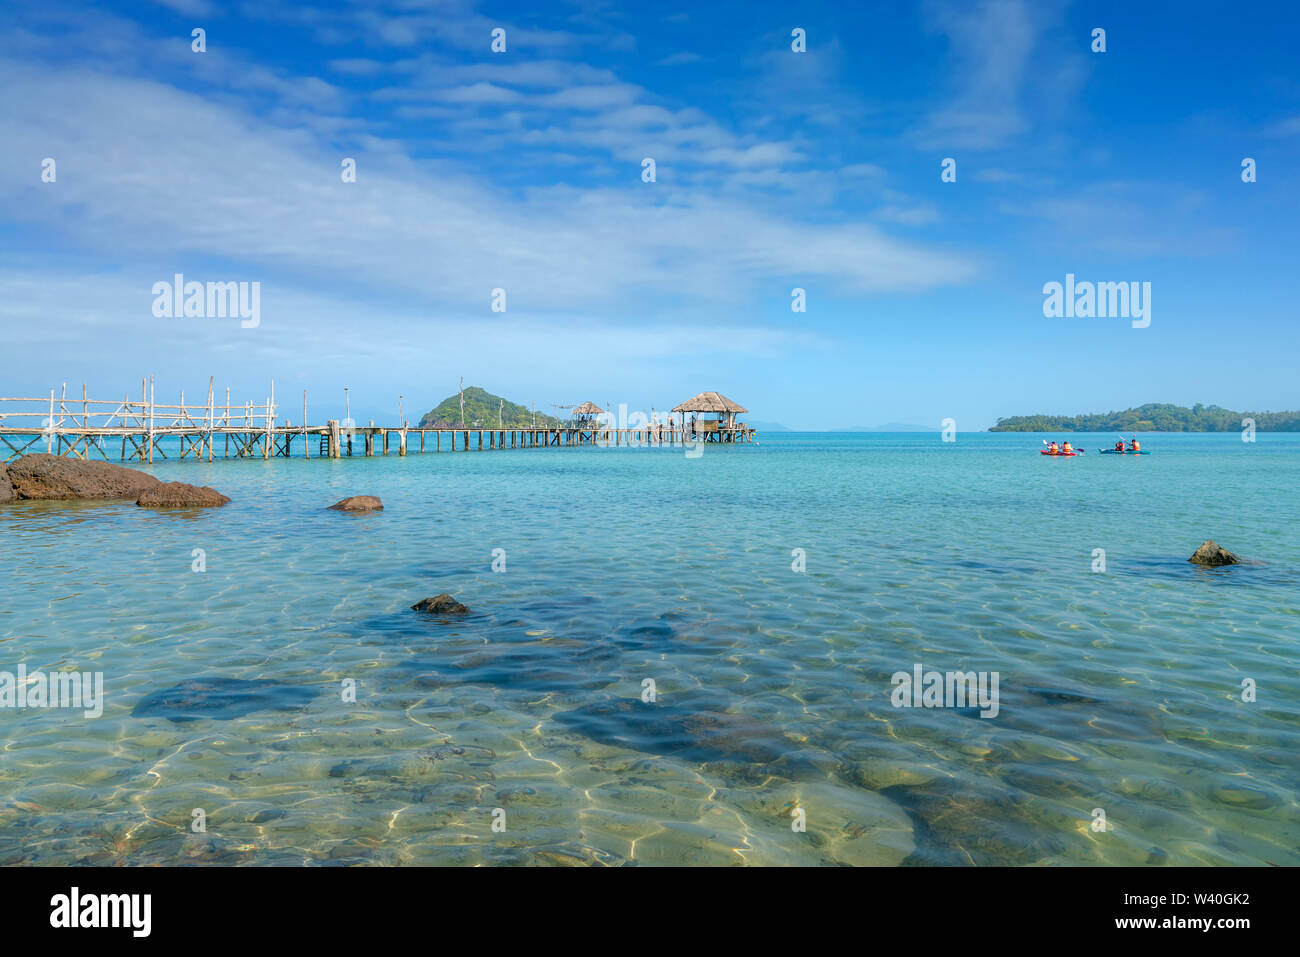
(558, 667)
(180, 495)
(42, 476)
(442, 604)
(1211, 553)
(358, 503)
(696, 735)
(222, 699)
(6, 489)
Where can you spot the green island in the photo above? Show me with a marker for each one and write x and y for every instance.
(1153, 417)
(485, 410)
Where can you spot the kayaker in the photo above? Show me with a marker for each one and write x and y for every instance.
(1135, 447)
(1119, 446)
(1052, 449)
(1067, 449)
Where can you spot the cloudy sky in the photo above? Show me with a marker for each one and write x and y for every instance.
(522, 170)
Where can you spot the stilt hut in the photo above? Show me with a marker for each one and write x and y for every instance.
(584, 416)
(723, 427)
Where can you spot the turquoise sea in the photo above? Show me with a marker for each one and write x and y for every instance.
(1120, 690)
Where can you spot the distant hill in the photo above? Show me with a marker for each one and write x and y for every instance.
(1153, 418)
(483, 410)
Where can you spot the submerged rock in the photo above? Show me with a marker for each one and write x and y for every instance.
(180, 495)
(222, 698)
(669, 729)
(42, 476)
(1239, 795)
(1212, 553)
(961, 824)
(554, 667)
(358, 503)
(442, 604)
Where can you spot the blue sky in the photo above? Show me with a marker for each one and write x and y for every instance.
(522, 170)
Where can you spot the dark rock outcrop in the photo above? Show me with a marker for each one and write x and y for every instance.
(442, 604)
(42, 476)
(1211, 553)
(180, 495)
(358, 503)
(223, 698)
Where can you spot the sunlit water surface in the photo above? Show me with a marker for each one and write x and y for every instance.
(1120, 690)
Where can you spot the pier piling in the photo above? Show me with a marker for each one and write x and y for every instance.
(81, 429)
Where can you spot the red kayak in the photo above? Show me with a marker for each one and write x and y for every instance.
(1058, 454)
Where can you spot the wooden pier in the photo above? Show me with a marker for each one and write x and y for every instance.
(146, 431)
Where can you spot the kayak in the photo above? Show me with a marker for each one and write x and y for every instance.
(1125, 452)
(1057, 454)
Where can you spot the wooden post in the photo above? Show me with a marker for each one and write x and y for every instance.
(270, 422)
(49, 434)
(151, 420)
(211, 415)
(306, 439)
(63, 403)
(333, 426)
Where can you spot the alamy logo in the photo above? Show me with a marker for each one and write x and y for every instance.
(644, 431)
(214, 300)
(954, 689)
(1098, 300)
(56, 689)
(103, 910)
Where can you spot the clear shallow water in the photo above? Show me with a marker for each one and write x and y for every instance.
(1119, 690)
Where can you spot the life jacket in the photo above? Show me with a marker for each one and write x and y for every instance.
(1052, 448)
(1136, 447)
(1119, 446)
(1067, 447)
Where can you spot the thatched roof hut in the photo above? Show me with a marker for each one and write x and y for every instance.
(713, 402)
(710, 402)
(585, 414)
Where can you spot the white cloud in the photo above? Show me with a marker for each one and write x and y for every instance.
(151, 173)
(990, 46)
(995, 175)
(918, 214)
(1288, 127)
(189, 8)
(679, 59)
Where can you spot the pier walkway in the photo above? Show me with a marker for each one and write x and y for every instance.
(143, 430)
